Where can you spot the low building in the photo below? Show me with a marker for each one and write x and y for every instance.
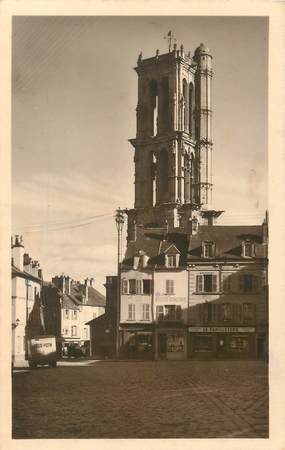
(103, 329)
(68, 305)
(26, 299)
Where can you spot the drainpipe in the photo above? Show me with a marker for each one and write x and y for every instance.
(154, 320)
(188, 311)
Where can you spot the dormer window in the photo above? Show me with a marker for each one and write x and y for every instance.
(172, 260)
(172, 257)
(208, 249)
(247, 249)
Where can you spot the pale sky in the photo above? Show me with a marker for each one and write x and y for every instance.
(74, 94)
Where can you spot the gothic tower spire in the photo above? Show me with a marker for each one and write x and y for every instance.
(173, 143)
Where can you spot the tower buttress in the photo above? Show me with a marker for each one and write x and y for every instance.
(204, 113)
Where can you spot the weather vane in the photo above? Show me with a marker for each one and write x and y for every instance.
(170, 37)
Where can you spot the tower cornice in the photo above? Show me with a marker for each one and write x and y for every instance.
(157, 140)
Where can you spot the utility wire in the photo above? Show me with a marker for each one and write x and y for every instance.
(66, 226)
(65, 222)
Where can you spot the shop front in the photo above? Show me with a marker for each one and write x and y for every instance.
(222, 342)
(171, 344)
(137, 343)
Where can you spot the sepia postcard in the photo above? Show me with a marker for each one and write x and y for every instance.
(142, 224)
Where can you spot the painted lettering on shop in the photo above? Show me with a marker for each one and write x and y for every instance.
(169, 298)
(222, 329)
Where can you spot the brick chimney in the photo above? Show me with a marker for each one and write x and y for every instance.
(91, 281)
(18, 252)
(59, 282)
(265, 229)
(27, 260)
(85, 292)
(68, 284)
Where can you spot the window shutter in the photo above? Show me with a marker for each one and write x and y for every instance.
(159, 312)
(199, 283)
(125, 285)
(138, 286)
(214, 283)
(130, 312)
(170, 287)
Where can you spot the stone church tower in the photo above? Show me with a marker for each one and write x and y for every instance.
(173, 144)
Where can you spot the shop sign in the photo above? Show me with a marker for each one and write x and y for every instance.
(222, 329)
(169, 298)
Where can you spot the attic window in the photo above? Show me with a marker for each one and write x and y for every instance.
(172, 260)
(247, 249)
(208, 249)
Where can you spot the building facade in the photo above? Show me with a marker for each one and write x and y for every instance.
(68, 306)
(26, 299)
(189, 288)
(103, 329)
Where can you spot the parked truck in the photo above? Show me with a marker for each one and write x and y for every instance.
(42, 351)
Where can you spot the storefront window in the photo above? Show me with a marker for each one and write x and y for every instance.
(144, 341)
(175, 343)
(239, 344)
(203, 343)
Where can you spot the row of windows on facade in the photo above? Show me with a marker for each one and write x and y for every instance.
(204, 283)
(74, 331)
(207, 312)
(209, 251)
(73, 314)
(226, 312)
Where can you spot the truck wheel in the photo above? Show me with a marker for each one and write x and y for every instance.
(53, 364)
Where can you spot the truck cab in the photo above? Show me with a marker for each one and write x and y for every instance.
(42, 351)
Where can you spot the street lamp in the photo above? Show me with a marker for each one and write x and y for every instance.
(120, 219)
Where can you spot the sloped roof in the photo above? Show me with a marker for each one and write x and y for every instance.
(68, 302)
(154, 242)
(23, 274)
(98, 320)
(228, 240)
(95, 298)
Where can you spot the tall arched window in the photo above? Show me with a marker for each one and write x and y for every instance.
(192, 179)
(154, 179)
(185, 105)
(191, 109)
(162, 174)
(187, 184)
(164, 104)
(153, 107)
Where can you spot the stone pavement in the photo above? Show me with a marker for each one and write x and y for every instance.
(187, 399)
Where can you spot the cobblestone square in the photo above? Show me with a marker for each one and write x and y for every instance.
(187, 399)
